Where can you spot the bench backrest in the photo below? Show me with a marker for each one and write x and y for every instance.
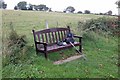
(51, 35)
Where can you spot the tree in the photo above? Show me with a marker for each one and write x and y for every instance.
(40, 7)
(22, 5)
(118, 3)
(46, 8)
(35, 7)
(64, 11)
(2, 4)
(101, 13)
(87, 12)
(79, 12)
(109, 12)
(70, 9)
(29, 7)
(50, 10)
(15, 8)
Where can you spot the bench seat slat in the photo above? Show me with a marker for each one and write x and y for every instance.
(56, 47)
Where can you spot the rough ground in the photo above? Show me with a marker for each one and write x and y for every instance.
(68, 59)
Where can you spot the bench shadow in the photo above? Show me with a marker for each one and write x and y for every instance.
(60, 55)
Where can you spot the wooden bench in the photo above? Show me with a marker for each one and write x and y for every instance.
(45, 40)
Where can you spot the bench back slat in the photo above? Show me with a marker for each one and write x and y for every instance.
(38, 36)
(59, 35)
(46, 37)
(56, 37)
(51, 35)
(62, 35)
(42, 38)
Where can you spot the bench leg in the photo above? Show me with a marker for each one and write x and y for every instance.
(45, 55)
(80, 48)
(36, 52)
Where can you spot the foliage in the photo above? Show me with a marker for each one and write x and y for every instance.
(79, 12)
(87, 12)
(109, 12)
(106, 25)
(118, 3)
(22, 5)
(15, 47)
(3, 5)
(41, 7)
(29, 7)
(15, 8)
(70, 9)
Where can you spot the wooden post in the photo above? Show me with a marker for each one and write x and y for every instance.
(118, 32)
(118, 13)
(68, 28)
(118, 20)
(57, 23)
(118, 16)
(118, 3)
(46, 24)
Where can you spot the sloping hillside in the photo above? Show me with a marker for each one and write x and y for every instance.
(101, 51)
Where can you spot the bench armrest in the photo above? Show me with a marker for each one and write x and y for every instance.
(79, 37)
(44, 44)
(41, 43)
(80, 41)
(75, 36)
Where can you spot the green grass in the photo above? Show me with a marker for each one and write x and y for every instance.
(0, 44)
(101, 52)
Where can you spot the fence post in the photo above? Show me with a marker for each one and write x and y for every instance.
(46, 24)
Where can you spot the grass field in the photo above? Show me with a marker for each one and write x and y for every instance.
(100, 51)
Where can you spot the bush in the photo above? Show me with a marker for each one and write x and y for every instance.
(15, 47)
(87, 12)
(79, 12)
(104, 25)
